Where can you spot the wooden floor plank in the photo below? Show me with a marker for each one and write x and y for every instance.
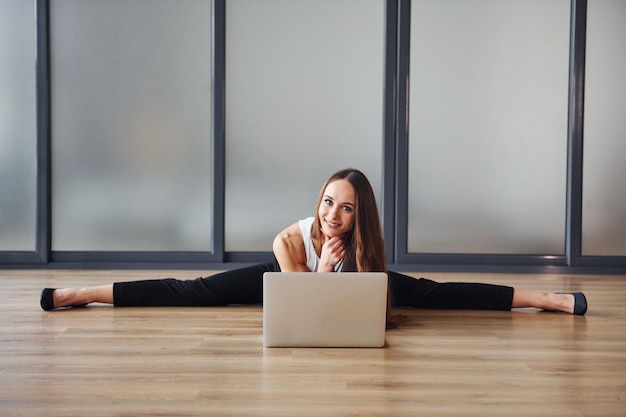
(105, 361)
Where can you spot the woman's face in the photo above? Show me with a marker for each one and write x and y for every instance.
(336, 210)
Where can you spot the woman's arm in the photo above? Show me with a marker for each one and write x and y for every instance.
(289, 250)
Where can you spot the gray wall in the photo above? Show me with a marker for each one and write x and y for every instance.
(135, 136)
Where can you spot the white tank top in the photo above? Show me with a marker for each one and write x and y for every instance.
(312, 260)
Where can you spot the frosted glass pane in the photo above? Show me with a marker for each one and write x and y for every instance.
(304, 89)
(131, 125)
(488, 126)
(18, 134)
(604, 181)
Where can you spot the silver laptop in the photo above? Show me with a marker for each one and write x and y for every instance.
(318, 309)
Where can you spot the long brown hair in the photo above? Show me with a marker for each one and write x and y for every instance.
(365, 248)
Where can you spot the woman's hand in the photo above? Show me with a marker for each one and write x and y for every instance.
(333, 251)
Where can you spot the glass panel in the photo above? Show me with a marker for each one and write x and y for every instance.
(304, 99)
(488, 126)
(18, 130)
(604, 189)
(131, 99)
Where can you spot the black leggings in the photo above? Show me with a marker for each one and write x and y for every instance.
(245, 286)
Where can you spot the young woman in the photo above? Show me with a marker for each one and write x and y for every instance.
(344, 235)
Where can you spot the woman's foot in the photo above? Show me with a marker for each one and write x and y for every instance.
(52, 299)
(47, 299)
(573, 303)
(580, 304)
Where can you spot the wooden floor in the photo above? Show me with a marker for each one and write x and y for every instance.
(104, 361)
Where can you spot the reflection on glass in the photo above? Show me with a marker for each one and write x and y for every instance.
(604, 189)
(18, 134)
(131, 125)
(488, 126)
(304, 99)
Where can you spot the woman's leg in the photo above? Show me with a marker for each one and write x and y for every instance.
(425, 293)
(237, 286)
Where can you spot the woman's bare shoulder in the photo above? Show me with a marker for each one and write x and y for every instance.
(289, 248)
(290, 236)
